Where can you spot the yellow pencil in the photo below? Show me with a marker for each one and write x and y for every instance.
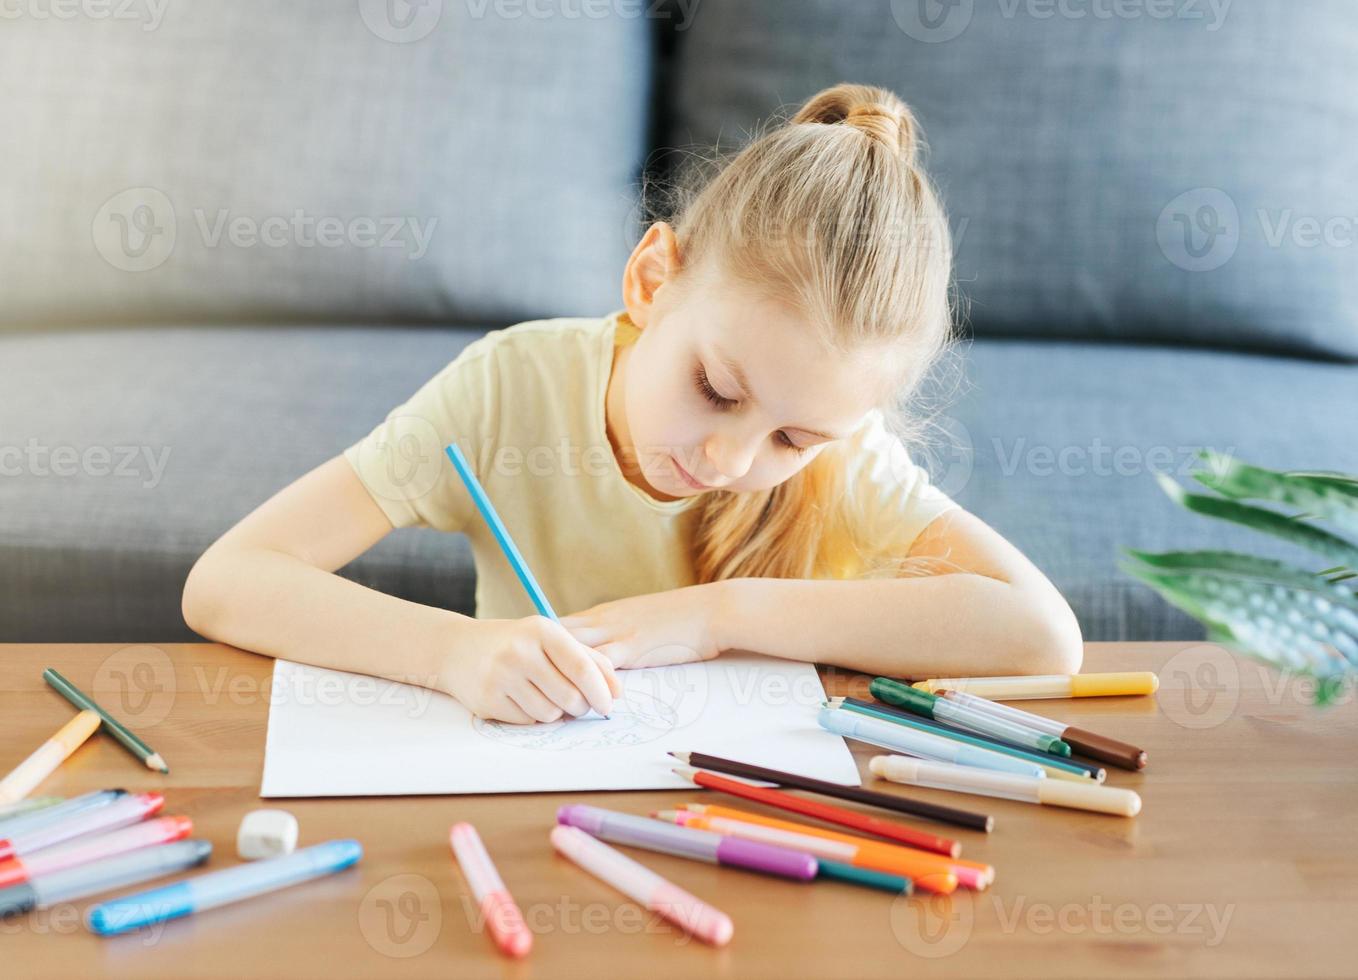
(28, 774)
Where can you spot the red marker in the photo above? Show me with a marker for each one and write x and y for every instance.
(498, 910)
(147, 834)
(121, 812)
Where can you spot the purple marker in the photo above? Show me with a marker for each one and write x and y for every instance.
(688, 842)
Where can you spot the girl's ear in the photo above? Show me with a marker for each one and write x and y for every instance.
(654, 262)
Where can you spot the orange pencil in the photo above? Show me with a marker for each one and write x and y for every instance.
(875, 854)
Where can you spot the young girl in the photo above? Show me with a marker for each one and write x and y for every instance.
(711, 467)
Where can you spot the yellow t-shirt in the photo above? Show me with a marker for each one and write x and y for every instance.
(526, 405)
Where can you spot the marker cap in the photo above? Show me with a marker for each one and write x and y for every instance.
(1129, 682)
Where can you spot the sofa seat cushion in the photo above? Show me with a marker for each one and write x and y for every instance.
(125, 452)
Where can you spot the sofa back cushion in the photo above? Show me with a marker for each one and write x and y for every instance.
(313, 159)
(1171, 170)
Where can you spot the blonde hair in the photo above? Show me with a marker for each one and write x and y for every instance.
(831, 213)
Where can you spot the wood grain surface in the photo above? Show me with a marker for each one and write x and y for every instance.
(1243, 862)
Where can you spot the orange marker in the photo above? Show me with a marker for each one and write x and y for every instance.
(52, 753)
(878, 855)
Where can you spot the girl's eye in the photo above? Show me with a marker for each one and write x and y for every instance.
(787, 443)
(708, 392)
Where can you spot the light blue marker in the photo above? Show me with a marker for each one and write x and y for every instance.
(497, 528)
(889, 735)
(221, 887)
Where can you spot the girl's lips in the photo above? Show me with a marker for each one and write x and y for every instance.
(686, 477)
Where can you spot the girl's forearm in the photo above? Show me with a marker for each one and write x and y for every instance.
(939, 625)
(276, 604)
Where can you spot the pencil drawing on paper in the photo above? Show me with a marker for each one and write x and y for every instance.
(637, 717)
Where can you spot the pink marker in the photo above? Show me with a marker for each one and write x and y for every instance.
(502, 916)
(644, 886)
(121, 812)
(147, 834)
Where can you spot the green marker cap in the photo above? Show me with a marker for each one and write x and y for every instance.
(903, 696)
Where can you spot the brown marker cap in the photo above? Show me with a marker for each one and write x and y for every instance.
(1108, 750)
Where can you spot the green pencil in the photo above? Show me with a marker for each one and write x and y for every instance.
(115, 727)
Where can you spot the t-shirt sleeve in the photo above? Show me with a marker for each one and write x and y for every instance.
(895, 495)
(402, 462)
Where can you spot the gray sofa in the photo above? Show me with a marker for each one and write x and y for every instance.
(236, 233)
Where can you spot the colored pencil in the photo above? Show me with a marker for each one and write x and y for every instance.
(507, 545)
(1081, 741)
(986, 871)
(501, 533)
(116, 728)
(918, 808)
(810, 808)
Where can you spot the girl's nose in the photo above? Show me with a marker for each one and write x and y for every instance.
(732, 457)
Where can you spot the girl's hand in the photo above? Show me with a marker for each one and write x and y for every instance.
(526, 670)
(675, 627)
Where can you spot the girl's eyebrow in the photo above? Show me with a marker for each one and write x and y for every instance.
(743, 384)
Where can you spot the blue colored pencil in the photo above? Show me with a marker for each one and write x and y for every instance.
(498, 529)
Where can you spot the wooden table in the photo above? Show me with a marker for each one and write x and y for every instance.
(1243, 862)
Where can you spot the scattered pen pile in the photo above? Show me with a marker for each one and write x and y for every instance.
(950, 733)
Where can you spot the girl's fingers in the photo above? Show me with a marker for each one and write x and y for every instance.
(509, 711)
(577, 662)
(607, 665)
(533, 702)
(556, 688)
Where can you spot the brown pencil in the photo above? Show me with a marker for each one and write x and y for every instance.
(900, 804)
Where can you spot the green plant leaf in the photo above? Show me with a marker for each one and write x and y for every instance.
(1233, 564)
(1343, 482)
(1285, 628)
(1275, 612)
(1320, 498)
(1332, 546)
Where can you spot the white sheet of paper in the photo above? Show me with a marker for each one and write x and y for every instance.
(333, 733)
